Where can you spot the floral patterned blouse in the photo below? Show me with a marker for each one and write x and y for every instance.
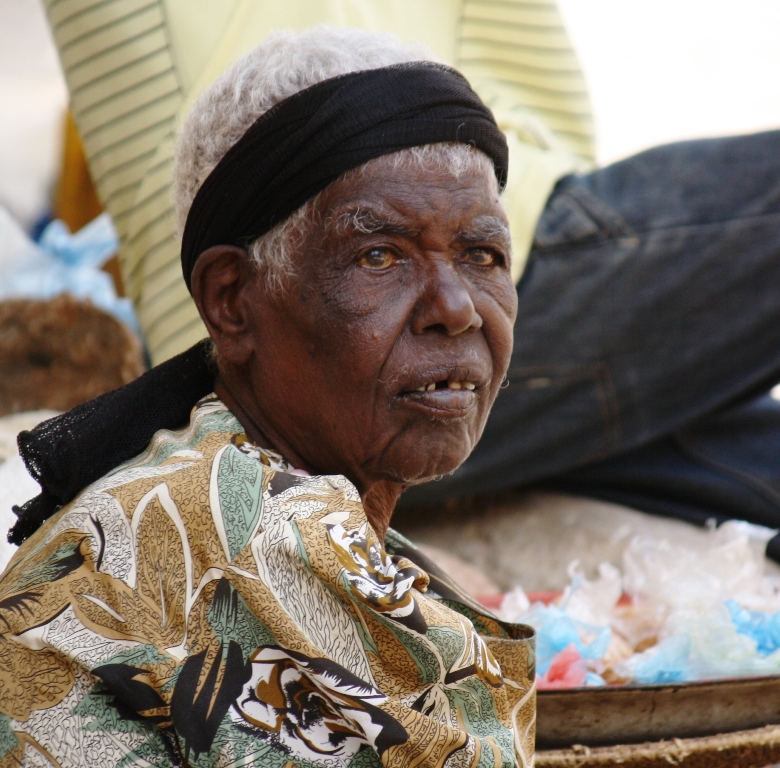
(206, 605)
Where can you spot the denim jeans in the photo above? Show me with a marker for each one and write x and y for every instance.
(647, 337)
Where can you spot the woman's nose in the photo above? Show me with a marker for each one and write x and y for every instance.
(445, 303)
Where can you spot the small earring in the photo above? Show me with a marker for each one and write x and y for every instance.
(504, 383)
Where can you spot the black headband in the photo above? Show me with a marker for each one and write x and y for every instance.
(304, 143)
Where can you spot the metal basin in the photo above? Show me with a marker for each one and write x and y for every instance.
(632, 714)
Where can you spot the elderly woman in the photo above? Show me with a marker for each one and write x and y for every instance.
(220, 587)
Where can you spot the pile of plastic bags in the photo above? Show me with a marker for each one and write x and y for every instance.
(669, 614)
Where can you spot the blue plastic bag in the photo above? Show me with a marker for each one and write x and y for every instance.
(764, 628)
(556, 630)
(62, 263)
(670, 662)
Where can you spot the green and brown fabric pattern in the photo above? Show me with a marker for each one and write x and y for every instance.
(206, 605)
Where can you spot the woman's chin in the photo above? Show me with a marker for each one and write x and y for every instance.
(431, 456)
(423, 468)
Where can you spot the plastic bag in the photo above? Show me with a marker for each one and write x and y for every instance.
(675, 614)
(762, 628)
(62, 263)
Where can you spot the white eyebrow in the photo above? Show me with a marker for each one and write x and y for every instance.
(485, 228)
(367, 221)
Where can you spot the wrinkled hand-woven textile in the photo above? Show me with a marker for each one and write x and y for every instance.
(203, 605)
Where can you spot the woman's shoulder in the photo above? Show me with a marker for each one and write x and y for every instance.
(208, 481)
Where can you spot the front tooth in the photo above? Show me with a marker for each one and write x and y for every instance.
(469, 385)
(431, 387)
(420, 389)
(453, 384)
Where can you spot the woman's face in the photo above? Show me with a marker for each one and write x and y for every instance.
(382, 360)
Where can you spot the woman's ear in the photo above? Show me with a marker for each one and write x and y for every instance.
(222, 278)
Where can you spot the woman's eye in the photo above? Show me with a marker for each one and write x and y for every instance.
(482, 257)
(377, 258)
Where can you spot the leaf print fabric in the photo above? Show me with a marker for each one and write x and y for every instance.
(312, 708)
(206, 604)
(375, 579)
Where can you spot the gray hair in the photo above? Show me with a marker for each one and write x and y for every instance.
(285, 63)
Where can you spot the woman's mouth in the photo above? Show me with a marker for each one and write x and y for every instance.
(470, 385)
(443, 399)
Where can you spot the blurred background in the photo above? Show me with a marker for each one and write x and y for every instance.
(658, 70)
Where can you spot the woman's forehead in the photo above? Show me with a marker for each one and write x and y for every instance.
(404, 200)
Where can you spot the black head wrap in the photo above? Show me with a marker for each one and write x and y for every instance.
(307, 141)
(287, 156)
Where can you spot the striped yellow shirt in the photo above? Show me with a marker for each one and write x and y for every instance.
(135, 66)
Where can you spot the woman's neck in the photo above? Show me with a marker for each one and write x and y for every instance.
(379, 498)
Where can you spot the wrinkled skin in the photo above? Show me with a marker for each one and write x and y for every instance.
(326, 371)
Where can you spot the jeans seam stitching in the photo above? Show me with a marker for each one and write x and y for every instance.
(705, 225)
(757, 485)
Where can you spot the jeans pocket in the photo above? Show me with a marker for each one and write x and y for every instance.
(576, 216)
(560, 415)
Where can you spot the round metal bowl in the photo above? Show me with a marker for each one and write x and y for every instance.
(632, 714)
